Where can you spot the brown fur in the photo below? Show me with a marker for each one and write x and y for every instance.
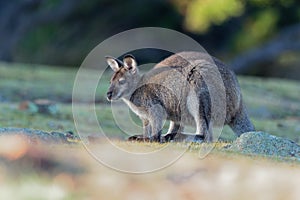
(176, 90)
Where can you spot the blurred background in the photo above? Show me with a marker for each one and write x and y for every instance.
(257, 37)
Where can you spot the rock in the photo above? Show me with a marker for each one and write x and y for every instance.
(261, 143)
(43, 106)
(35, 136)
(46, 106)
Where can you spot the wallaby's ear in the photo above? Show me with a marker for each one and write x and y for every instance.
(130, 63)
(112, 62)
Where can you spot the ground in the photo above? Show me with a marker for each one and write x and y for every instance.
(39, 170)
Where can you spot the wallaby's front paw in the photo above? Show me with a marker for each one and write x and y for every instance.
(142, 138)
(155, 138)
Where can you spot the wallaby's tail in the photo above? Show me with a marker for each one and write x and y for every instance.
(241, 123)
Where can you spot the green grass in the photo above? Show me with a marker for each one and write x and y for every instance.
(273, 104)
(24, 82)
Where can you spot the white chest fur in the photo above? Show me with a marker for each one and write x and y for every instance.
(137, 110)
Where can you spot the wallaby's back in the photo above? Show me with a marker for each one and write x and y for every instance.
(192, 65)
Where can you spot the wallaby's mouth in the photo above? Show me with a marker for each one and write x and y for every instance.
(109, 95)
(108, 98)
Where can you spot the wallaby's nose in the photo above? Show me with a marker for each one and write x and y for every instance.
(109, 95)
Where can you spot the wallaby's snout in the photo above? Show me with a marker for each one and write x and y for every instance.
(112, 94)
(109, 95)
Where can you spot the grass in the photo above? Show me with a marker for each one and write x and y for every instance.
(273, 104)
(69, 172)
(25, 81)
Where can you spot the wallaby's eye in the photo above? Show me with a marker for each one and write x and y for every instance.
(121, 81)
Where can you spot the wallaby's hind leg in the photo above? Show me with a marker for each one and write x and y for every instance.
(241, 123)
(199, 136)
(197, 110)
(174, 129)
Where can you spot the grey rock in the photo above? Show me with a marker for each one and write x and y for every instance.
(261, 143)
(34, 135)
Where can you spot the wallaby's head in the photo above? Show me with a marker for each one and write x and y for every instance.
(124, 78)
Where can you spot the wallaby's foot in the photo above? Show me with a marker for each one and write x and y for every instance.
(142, 138)
(168, 137)
(193, 138)
(199, 138)
(156, 138)
(184, 137)
(138, 138)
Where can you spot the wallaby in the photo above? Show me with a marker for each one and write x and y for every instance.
(176, 90)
